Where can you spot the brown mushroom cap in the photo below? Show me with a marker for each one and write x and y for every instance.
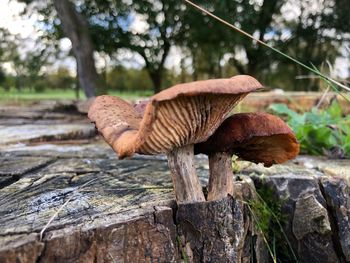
(255, 137)
(183, 114)
(114, 117)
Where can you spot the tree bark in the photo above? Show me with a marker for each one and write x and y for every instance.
(214, 231)
(76, 28)
(156, 78)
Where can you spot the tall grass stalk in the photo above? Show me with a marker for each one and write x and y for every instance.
(327, 78)
(279, 224)
(255, 218)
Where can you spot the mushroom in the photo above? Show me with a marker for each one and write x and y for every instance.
(140, 106)
(256, 137)
(173, 121)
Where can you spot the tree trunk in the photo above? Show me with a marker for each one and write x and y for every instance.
(238, 66)
(76, 28)
(77, 88)
(183, 70)
(194, 65)
(156, 77)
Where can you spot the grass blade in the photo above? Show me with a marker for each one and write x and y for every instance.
(329, 79)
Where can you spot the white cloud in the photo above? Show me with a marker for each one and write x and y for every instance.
(139, 24)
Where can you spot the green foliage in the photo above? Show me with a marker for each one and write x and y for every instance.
(124, 79)
(319, 131)
(60, 79)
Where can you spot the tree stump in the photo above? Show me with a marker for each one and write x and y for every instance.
(214, 231)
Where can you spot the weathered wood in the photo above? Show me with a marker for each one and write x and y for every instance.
(142, 235)
(35, 133)
(117, 217)
(213, 231)
(187, 187)
(220, 176)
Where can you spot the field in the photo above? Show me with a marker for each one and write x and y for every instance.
(26, 94)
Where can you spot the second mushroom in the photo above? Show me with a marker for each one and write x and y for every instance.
(257, 137)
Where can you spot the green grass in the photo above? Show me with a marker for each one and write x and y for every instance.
(26, 94)
(131, 95)
(29, 95)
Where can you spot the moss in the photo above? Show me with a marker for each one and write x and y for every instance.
(184, 255)
(269, 220)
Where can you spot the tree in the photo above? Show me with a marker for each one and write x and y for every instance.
(60, 79)
(211, 38)
(151, 28)
(28, 65)
(305, 37)
(109, 24)
(113, 26)
(2, 77)
(76, 29)
(63, 19)
(311, 41)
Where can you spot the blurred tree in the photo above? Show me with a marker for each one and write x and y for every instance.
(61, 79)
(2, 78)
(62, 18)
(113, 25)
(147, 27)
(128, 79)
(3, 47)
(337, 16)
(150, 28)
(312, 40)
(208, 40)
(26, 65)
(76, 28)
(307, 36)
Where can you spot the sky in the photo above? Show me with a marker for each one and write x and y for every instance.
(25, 27)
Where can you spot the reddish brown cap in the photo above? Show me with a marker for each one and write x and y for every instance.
(115, 118)
(255, 137)
(181, 115)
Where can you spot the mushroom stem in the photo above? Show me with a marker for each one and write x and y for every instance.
(220, 176)
(187, 187)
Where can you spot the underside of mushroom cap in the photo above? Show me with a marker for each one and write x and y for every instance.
(181, 115)
(256, 137)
